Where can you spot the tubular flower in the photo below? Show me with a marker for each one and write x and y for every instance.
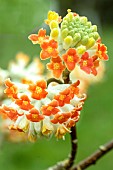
(38, 38)
(61, 117)
(34, 115)
(64, 97)
(70, 58)
(102, 52)
(24, 102)
(50, 109)
(9, 112)
(56, 66)
(11, 89)
(49, 49)
(74, 88)
(38, 90)
(87, 64)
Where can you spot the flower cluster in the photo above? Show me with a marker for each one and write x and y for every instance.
(38, 105)
(39, 110)
(73, 41)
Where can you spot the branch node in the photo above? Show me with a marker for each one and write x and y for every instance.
(75, 141)
(79, 168)
(102, 148)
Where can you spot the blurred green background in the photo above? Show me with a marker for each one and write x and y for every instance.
(18, 19)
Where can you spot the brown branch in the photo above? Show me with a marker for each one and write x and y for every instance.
(92, 159)
(66, 77)
(54, 80)
(74, 146)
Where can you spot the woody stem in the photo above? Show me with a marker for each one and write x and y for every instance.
(92, 159)
(73, 133)
(54, 80)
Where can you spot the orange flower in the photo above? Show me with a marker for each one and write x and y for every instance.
(74, 89)
(11, 89)
(75, 114)
(61, 117)
(64, 97)
(56, 66)
(88, 64)
(50, 109)
(34, 115)
(70, 58)
(96, 64)
(9, 112)
(38, 90)
(38, 38)
(102, 52)
(49, 49)
(24, 103)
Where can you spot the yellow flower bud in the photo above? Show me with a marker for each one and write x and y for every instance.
(90, 43)
(53, 24)
(54, 33)
(81, 49)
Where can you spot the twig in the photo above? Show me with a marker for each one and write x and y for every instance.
(54, 80)
(92, 159)
(74, 146)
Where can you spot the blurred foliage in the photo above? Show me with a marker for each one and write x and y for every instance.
(21, 16)
(18, 19)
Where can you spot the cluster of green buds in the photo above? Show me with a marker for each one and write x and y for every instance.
(76, 31)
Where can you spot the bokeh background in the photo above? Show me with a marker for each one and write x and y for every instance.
(18, 19)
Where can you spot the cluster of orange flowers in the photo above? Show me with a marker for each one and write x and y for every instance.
(38, 108)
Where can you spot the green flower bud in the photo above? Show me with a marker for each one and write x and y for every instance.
(77, 37)
(70, 16)
(83, 20)
(71, 33)
(93, 28)
(76, 19)
(67, 42)
(95, 35)
(85, 40)
(64, 33)
(88, 24)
